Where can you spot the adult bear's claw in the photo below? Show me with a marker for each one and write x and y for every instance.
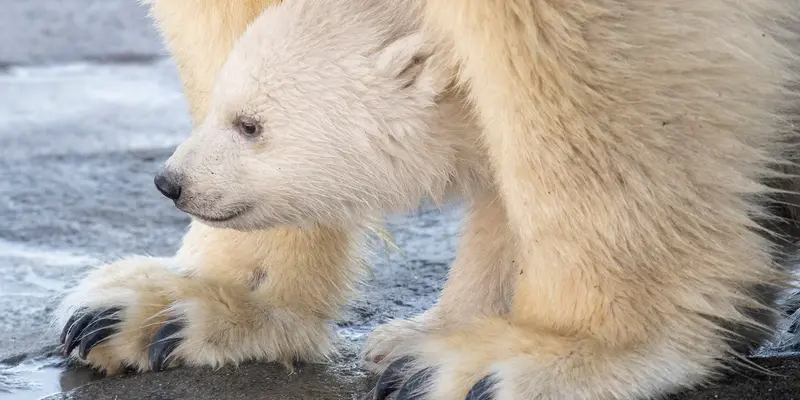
(392, 382)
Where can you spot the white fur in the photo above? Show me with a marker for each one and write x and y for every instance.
(613, 154)
(355, 114)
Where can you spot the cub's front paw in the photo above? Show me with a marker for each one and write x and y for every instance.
(139, 314)
(112, 314)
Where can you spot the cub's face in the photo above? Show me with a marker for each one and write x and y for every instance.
(313, 130)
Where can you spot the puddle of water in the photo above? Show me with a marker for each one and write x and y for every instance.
(25, 382)
(35, 376)
(20, 259)
(38, 378)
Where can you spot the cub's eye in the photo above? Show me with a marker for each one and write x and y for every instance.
(247, 126)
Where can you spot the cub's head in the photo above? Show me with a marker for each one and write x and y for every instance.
(325, 110)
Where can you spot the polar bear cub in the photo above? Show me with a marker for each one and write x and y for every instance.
(325, 121)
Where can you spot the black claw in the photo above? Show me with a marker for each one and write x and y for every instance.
(482, 390)
(73, 338)
(415, 386)
(71, 321)
(164, 344)
(99, 329)
(391, 379)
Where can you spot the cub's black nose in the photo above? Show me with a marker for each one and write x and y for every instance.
(168, 185)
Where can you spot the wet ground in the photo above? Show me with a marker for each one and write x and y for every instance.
(88, 112)
(81, 144)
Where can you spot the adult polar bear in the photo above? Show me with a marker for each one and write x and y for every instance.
(628, 140)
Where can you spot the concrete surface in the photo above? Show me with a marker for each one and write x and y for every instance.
(79, 144)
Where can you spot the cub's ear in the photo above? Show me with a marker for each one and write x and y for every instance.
(410, 60)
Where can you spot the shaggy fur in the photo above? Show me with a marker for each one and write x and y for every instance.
(303, 277)
(615, 155)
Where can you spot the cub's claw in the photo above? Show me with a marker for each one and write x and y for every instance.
(164, 343)
(391, 382)
(71, 321)
(76, 323)
(86, 329)
(98, 330)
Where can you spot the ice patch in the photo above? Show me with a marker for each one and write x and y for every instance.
(31, 280)
(55, 258)
(29, 381)
(70, 109)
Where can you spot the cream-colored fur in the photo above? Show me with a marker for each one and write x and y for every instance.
(232, 291)
(353, 117)
(304, 272)
(629, 138)
(608, 257)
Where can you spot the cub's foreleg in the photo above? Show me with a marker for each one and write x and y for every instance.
(226, 296)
